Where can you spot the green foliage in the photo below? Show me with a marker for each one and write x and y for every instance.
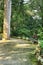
(41, 43)
(26, 18)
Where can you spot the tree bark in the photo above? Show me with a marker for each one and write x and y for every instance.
(7, 18)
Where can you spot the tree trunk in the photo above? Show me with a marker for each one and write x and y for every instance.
(7, 17)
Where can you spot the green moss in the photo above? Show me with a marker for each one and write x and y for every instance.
(41, 43)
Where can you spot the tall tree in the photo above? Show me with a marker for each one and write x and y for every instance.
(7, 17)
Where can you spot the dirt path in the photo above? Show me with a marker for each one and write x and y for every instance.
(19, 43)
(16, 52)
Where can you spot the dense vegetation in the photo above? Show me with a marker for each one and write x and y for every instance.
(26, 18)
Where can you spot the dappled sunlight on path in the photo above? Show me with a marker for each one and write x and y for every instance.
(16, 53)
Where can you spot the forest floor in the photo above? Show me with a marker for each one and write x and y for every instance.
(20, 43)
(17, 52)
